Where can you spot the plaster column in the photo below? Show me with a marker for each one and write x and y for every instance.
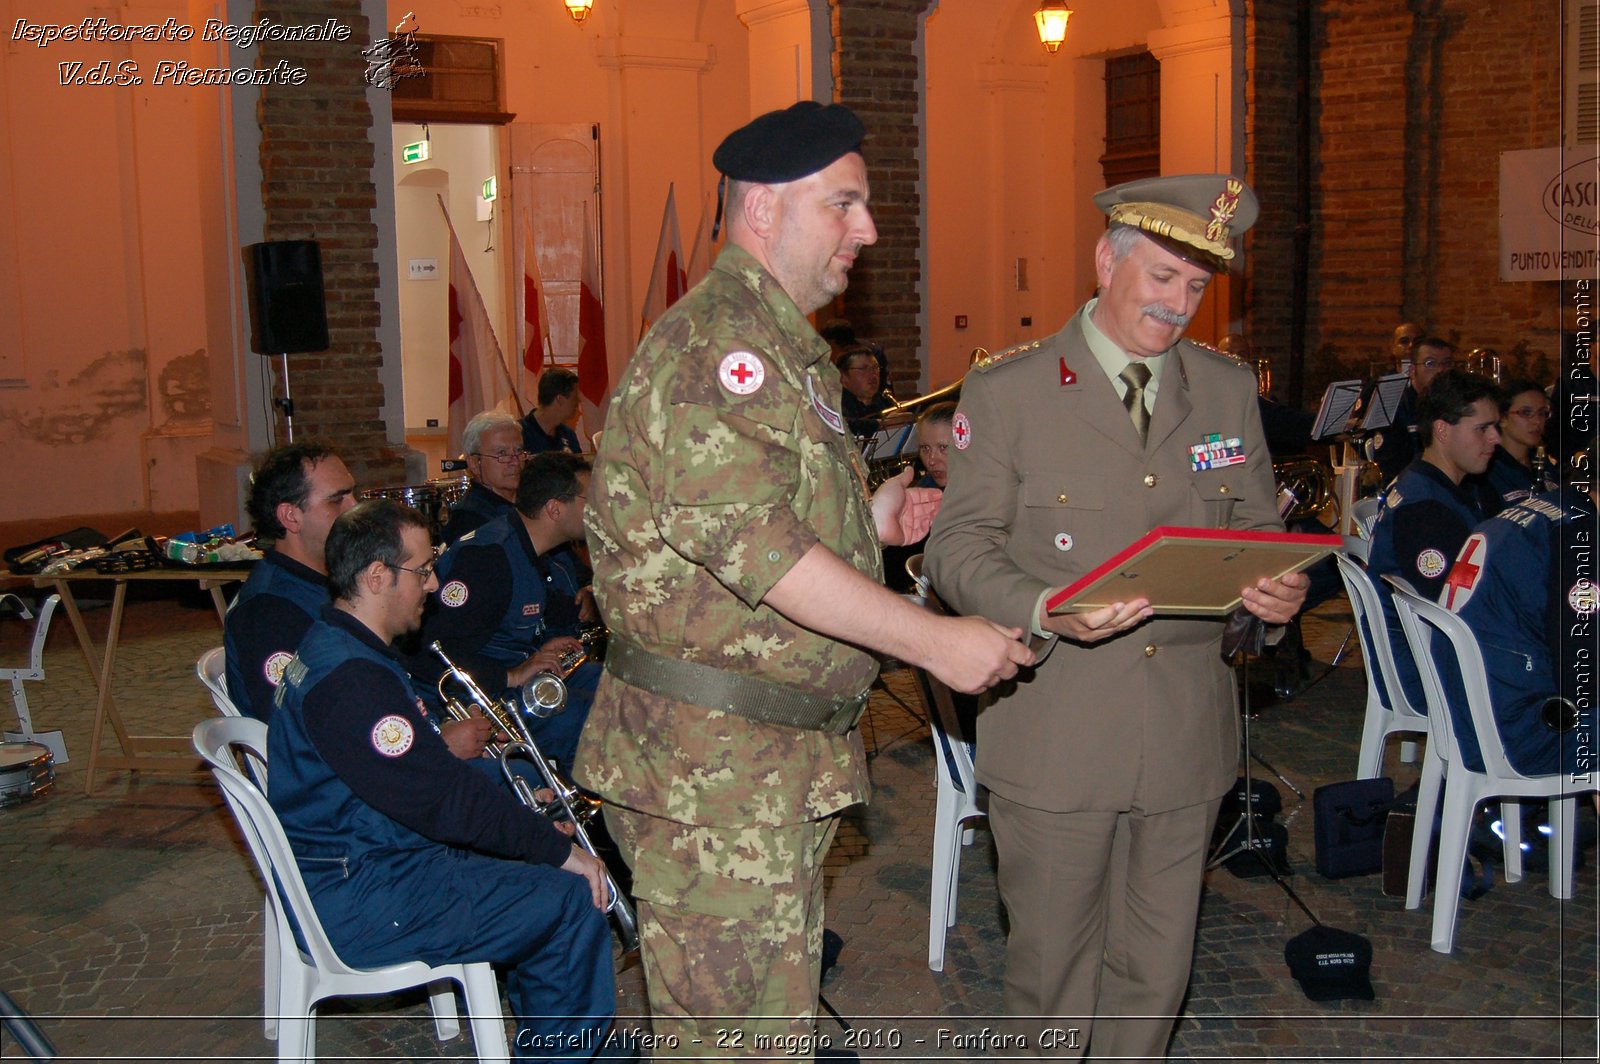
(652, 140)
(782, 67)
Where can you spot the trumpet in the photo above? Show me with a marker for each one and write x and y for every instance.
(568, 802)
(545, 693)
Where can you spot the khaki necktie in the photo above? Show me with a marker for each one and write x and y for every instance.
(1136, 376)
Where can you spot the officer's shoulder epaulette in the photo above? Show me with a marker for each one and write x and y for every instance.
(1223, 356)
(987, 361)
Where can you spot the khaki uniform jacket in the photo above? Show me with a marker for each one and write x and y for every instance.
(1051, 482)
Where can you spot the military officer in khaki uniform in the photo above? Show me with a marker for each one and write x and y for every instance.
(736, 556)
(1108, 762)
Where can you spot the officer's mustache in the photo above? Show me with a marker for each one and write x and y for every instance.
(1164, 315)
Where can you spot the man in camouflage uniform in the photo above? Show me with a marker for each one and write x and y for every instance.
(736, 557)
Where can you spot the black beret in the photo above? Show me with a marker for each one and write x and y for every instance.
(789, 144)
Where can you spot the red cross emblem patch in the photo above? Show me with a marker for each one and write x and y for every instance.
(961, 431)
(741, 372)
(1464, 574)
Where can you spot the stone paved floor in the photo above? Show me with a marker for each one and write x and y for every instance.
(132, 918)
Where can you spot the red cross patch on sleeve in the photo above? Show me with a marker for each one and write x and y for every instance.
(1464, 574)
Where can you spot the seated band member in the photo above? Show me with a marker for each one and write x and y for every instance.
(511, 599)
(1518, 584)
(493, 442)
(407, 853)
(1427, 513)
(1516, 471)
(295, 494)
(1396, 446)
(864, 397)
(933, 445)
(545, 427)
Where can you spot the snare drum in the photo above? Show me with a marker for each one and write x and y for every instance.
(426, 499)
(26, 771)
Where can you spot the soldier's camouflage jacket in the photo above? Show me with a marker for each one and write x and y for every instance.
(702, 499)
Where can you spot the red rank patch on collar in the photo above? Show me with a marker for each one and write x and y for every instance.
(1067, 376)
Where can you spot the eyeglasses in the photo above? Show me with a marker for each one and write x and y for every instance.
(426, 572)
(1532, 413)
(1437, 363)
(503, 457)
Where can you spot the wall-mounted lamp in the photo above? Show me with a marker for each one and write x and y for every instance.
(1051, 19)
(579, 9)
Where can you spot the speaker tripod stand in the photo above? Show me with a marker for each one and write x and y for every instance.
(285, 402)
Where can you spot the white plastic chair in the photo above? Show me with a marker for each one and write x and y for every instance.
(956, 802)
(1364, 514)
(1378, 657)
(53, 740)
(1464, 788)
(956, 795)
(296, 981)
(212, 670)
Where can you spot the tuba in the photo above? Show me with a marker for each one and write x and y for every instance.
(568, 804)
(1305, 487)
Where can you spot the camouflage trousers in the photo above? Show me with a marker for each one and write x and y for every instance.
(731, 931)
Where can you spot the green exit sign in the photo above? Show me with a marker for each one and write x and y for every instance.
(416, 152)
(490, 190)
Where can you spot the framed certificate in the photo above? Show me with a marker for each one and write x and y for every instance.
(1192, 572)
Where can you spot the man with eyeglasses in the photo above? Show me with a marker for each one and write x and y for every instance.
(1397, 444)
(1518, 469)
(407, 853)
(513, 597)
(493, 441)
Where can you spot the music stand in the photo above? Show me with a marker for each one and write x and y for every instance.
(1338, 402)
(1385, 401)
(1242, 834)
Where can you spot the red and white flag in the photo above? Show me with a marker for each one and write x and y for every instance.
(668, 277)
(700, 249)
(474, 351)
(535, 333)
(594, 372)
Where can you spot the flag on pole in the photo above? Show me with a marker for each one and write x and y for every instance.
(594, 374)
(535, 336)
(700, 250)
(668, 278)
(472, 345)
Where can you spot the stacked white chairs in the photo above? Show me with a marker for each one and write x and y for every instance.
(211, 668)
(1398, 715)
(299, 977)
(1425, 623)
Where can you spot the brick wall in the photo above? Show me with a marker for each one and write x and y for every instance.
(316, 162)
(1412, 105)
(875, 72)
(1272, 157)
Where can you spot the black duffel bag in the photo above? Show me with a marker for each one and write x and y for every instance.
(1347, 823)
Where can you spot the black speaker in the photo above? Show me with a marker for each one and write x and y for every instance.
(288, 312)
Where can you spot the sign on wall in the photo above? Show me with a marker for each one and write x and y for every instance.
(1549, 218)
